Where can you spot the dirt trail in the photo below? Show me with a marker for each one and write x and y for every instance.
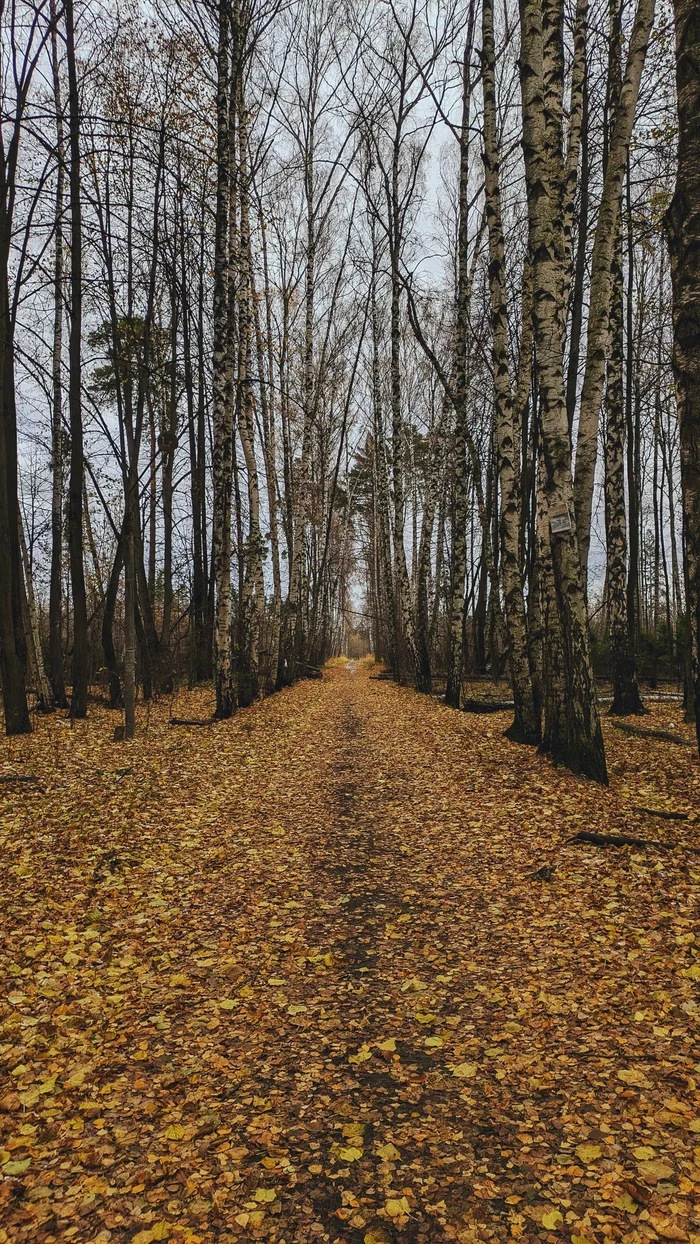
(292, 978)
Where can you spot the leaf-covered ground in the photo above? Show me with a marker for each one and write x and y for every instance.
(294, 977)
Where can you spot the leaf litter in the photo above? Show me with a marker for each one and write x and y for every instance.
(337, 972)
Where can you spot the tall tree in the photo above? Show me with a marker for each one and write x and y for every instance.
(577, 741)
(80, 664)
(684, 232)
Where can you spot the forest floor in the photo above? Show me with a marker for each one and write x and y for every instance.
(335, 971)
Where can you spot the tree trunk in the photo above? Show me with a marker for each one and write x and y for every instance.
(578, 742)
(254, 598)
(56, 675)
(75, 486)
(598, 346)
(115, 689)
(221, 391)
(526, 725)
(453, 690)
(684, 229)
(625, 688)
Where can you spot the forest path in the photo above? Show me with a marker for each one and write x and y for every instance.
(292, 978)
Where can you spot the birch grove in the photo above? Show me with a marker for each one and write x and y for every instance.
(330, 329)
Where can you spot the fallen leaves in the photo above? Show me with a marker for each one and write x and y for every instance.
(656, 1169)
(465, 1071)
(311, 955)
(552, 1219)
(589, 1153)
(632, 1075)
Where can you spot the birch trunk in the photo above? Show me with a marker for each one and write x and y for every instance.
(455, 655)
(577, 742)
(598, 346)
(266, 374)
(248, 681)
(526, 725)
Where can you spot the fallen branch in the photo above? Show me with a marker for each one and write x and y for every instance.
(644, 733)
(627, 840)
(619, 840)
(191, 721)
(7, 778)
(487, 706)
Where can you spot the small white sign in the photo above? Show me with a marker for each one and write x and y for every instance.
(560, 521)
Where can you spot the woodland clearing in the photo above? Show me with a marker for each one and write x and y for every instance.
(334, 970)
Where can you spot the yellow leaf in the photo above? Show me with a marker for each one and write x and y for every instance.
(625, 1202)
(693, 973)
(414, 984)
(160, 1230)
(76, 1078)
(179, 980)
(241, 1220)
(353, 1129)
(48, 1086)
(175, 1132)
(668, 1228)
(425, 1017)
(551, 1220)
(246, 992)
(30, 1097)
(17, 1167)
(349, 1154)
(465, 1071)
(264, 1195)
(257, 1218)
(388, 1046)
(634, 1076)
(228, 1004)
(433, 1043)
(654, 1171)
(297, 1008)
(396, 1206)
(694, 1125)
(329, 960)
(276, 980)
(389, 1153)
(589, 1153)
(361, 1056)
(643, 1153)
(316, 1168)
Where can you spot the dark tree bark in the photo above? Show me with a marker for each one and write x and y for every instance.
(75, 486)
(684, 235)
(55, 663)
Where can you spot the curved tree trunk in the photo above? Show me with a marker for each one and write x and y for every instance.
(598, 347)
